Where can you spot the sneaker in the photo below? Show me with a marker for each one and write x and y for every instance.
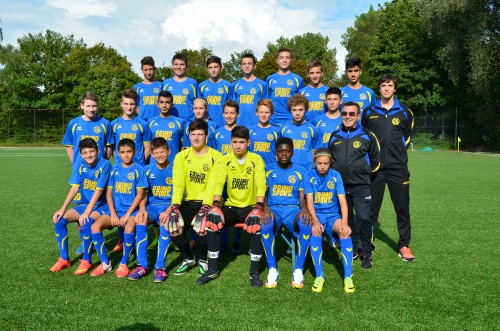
(153, 244)
(160, 276)
(79, 249)
(101, 269)
(138, 273)
(272, 278)
(60, 265)
(255, 280)
(122, 271)
(349, 285)
(367, 262)
(185, 266)
(298, 279)
(202, 267)
(83, 268)
(318, 284)
(208, 276)
(405, 254)
(119, 246)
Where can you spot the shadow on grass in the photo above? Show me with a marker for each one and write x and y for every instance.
(382, 236)
(138, 326)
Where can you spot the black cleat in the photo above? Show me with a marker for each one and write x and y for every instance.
(255, 280)
(207, 277)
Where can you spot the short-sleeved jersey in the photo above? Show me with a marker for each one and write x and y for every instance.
(216, 95)
(184, 94)
(283, 185)
(363, 96)
(147, 98)
(172, 129)
(325, 190)
(245, 182)
(306, 139)
(316, 97)
(212, 126)
(263, 142)
(124, 182)
(195, 178)
(89, 179)
(326, 126)
(99, 129)
(136, 129)
(221, 140)
(160, 184)
(247, 95)
(280, 89)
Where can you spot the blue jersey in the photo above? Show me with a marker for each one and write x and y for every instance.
(99, 129)
(283, 185)
(216, 95)
(363, 96)
(136, 129)
(124, 182)
(160, 184)
(172, 129)
(263, 142)
(247, 95)
(221, 140)
(316, 97)
(326, 126)
(146, 102)
(184, 94)
(325, 190)
(89, 179)
(280, 89)
(212, 126)
(306, 139)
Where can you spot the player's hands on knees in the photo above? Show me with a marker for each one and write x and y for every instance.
(254, 218)
(115, 220)
(200, 220)
(57, 215)
(344, 231)
(174, 221)
(141, 217)
(267, 217)
(317, 229)
(83, 219)
(215, 218)
(305, 217)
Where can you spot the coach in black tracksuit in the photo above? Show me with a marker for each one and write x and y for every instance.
(356, 155)
(392, 123)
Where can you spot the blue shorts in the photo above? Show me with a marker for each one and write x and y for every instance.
(120, 213)
(285, 216)
(328, 221)
(154, 212)
(100, 209)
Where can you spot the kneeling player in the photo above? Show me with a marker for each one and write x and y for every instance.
(324, 192)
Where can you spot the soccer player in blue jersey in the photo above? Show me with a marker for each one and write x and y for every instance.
(248, 90)
(221, 139)
(88, 180)
(315, 92)
(331, 120)
(215, 90)
(263, 136)
(282, 85)
(305, 136)
(125, 191)
(354, 90)
(200, 110)
(327, 205)
(285, 205)
(148, 90)
(182, 87)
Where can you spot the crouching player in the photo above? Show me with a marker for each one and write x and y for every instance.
(324, 192)
(88, 180)
(286, 206)
(126, 186)
(154, 210)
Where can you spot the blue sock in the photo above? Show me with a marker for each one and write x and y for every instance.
(141, 242)
(128, 245)
(302, 244)
(80, 233)
(346, 250)
(120, 233)
(267, 236)
(317, 254)
(61, 230)
(87, 240)
(98, 239)
(163, 244)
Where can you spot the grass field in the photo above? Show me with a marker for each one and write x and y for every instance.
(453, 283)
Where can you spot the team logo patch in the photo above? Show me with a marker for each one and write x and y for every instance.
(171, 125)
(249, 170)
(185, 91)
(395, 121)
(373, 117)
(134, 127)
(168, 181)
(322, 96)
(330, 184)
(356, 144)
(97, 129)
(289, 82)
(131, 176)
(96, 174)
(304, 135)
(205, 167)
(305, 236)
(253, 91)
(292, 179)
(270, 136)
(220, 90)
(362, 96)
(156, 90)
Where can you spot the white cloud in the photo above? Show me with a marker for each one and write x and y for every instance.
(84, 8)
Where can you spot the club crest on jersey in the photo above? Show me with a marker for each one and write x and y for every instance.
(292, 179)
(322, 96)
(97, 129)
(185, 91)
(205, 167)
(304, 135)
(253, 91)
(171, 125)
(356, 144)
(249, 170)
(270, 136)
(289, 82)
(220, 90)
(330, 184)
(156, 90)
(131, 176)
(134, 127)
(362, 96)
(168, 180)
(395, 121)
(96, 174)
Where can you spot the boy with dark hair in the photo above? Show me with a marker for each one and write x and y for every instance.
(315, 91)
(221, 139)
(264, 135)
(354, 90)
(147, 90)
(331, 120)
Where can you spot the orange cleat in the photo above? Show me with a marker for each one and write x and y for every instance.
(83, 268)
(60, 265)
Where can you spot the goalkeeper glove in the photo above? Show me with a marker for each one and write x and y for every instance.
(215, 218)
(252, 222)
(175, 220)
(200, 219)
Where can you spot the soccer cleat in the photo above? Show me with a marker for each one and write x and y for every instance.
(318, 284)
(185, 266)
(60, 265)
(79, 249)
(83, 268)
(101, 269)
(119, 246)
(298, 279)
(405, 254)
(208, 276)
(367, 262)
(202, 267)
(358, 255)
(160, 276)
(138, 273)
(255, 280)
(349, 285)
(272, 278)
(122, 271)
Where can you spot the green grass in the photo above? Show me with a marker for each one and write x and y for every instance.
(453, 283)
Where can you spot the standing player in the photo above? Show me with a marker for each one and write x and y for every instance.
(221, 139)
(88, 180)
(182, 87)
(264, 135)
(248, 90)
(200, 110)
(354, 90)
(148, 90)
(392, 123)
(315, 91)
(331, 120)
(282, 85)
(215, 90)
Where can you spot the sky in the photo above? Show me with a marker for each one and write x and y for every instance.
(159, 28)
